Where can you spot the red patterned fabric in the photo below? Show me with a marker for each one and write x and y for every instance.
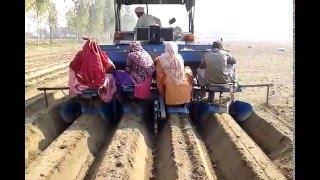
(91, 64)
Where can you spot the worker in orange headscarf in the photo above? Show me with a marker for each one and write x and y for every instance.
(174, 81)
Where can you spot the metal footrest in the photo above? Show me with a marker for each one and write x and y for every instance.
(89, 93)
(129, 88)
(229, 87)
(175, 110)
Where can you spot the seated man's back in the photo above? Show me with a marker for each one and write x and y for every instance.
(217, 69)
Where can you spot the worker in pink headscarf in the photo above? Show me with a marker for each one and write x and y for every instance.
(140, 66)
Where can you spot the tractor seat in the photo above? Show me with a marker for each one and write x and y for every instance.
(89, 93)
(126, 91)
(228, 87)
(88, 102)
(177, 109)
(127, 88)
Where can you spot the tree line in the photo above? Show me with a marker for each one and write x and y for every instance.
(93, 18)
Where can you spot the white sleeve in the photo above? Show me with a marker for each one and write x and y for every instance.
(139, 23)
(157, 20)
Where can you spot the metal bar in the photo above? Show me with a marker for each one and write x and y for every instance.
(45, 97)
(232, 96)
(45, 89)
(267, 95)
(244, 86)
(220, 99)
(52, 88)
(257, 85)
(116, 16)
(119, 17)
(195, 87)
(156, 115)
(162, 107)
(147, 9)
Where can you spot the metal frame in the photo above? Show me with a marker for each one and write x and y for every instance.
(260, 85)
(195, 88)
(117, 8)
(45, 89)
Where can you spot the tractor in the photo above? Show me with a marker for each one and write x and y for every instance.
(153, 39)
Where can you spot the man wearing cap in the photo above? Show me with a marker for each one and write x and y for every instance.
(146, 20)
(217, 66)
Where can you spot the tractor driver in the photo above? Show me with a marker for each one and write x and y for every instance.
(146, 20)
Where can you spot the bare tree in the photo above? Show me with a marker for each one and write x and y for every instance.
(52, 19)
(78, 17)
(29, 4)
(127, 19)
(40, 7)
(96, 16)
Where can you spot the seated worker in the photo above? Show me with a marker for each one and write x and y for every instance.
(90, 70)
(146, 20)
(216, 67)
(140, 66)
(174, 81)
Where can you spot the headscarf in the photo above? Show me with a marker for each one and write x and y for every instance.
(139, 10)
(172, 63)
(217, 45)
(139, 63)
(91, 64)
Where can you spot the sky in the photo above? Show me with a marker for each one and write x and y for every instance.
(230, 19)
